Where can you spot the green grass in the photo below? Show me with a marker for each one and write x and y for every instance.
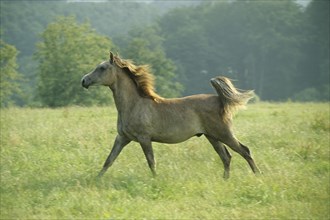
(50, 158)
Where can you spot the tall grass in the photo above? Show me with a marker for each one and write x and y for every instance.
(50, 158)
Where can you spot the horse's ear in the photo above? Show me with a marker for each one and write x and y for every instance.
(111, 57)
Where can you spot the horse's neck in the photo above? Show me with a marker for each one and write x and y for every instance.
(125, 94)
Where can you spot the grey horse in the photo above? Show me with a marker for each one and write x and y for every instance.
(146, 117)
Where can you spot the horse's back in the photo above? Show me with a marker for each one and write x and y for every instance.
(194, 101)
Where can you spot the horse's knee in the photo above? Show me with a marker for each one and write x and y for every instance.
(246, 149)
(249, 159)
(243, 150)
(235, 145)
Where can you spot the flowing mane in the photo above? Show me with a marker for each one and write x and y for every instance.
(142, 77)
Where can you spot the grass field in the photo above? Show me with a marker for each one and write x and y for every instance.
(50, 158)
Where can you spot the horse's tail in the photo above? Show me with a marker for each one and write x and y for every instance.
(231, 98)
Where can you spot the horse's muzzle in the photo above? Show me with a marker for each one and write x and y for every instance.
(84, 83)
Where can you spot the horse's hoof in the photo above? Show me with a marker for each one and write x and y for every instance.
(226, 176)
(99, 176)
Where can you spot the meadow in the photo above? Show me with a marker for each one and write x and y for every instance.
(50, 159)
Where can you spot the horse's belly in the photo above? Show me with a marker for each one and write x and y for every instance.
(172, 136)
(176, 127)
(171, 140)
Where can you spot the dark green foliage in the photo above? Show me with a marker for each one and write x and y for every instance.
(278, 48)
(67, 52)
(9, 78)
(314, 65)
(256, 42)
(320, 93)
(22, 23)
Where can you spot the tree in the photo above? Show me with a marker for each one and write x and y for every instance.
(186, 42)
(314, 67)
(67, 52)
(9, 78)
(255, 42)
(23, 21)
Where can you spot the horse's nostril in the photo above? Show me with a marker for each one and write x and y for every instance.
(83, 83)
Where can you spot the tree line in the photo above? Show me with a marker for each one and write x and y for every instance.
(277, 48)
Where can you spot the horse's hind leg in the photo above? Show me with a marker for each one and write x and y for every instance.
(223, 153)
(243, 150)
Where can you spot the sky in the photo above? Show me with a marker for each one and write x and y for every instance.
(301, 2)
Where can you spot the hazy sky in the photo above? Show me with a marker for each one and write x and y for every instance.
(302, 2)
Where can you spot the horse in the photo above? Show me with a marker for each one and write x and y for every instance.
(146, 117)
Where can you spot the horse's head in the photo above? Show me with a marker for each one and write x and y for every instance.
(103, 74)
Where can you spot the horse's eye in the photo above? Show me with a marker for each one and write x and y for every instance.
(102, 68)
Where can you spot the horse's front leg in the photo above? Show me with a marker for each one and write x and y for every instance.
(120, 143)
(148, 152)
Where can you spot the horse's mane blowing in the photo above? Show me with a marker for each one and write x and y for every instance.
(142, 77)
